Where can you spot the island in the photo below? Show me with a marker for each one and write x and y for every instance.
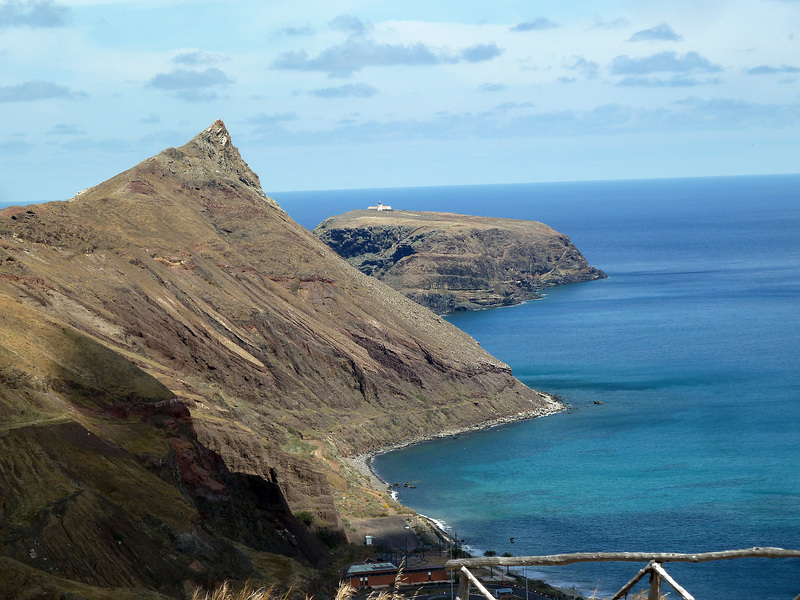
(449, 262)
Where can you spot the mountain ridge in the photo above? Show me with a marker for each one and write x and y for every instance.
(187, 326)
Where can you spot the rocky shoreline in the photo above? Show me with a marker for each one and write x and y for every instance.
(362, 462)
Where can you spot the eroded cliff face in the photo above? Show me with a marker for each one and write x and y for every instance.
(450, 262)
(104, 483)
(181, 360)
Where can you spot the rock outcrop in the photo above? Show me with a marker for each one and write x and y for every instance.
(451, 262)
(181, 365)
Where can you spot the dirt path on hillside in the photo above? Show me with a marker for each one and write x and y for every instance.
(56, 420)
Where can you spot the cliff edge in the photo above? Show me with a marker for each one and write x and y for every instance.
(450, 262)
(182, 367)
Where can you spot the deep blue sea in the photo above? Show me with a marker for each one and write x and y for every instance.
(692, 345)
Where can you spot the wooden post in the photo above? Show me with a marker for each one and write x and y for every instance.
(463, 586)
(668, 578)
(624, 591)
(467, 579)
(655, 584)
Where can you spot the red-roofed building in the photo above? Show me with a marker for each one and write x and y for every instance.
(380, 574)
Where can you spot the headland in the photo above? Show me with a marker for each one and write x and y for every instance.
(448, 262)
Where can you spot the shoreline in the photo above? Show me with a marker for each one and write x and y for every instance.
(362, 463)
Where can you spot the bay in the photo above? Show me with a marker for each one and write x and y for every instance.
(692, 345)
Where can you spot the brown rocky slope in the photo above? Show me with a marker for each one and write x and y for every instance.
(451, 262)
(181, 365)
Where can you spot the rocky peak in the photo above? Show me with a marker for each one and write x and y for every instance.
(181, 268)
(216, 140)
(210, 158)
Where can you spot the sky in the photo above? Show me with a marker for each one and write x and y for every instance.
(346, 94)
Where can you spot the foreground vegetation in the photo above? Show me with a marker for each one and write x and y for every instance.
(344, 592)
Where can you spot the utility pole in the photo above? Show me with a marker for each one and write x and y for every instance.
(526, 581)
(452, 595)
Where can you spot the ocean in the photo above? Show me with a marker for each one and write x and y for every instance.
(682, 370)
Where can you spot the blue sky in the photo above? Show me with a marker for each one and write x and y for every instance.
(360, 94)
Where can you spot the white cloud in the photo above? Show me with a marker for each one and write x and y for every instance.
(15, 147)
(481, 53)
(588, 68)
(349, 24)
(419, 73)
(662, 62)
(768, 70)
(731, 113)
(674, 81)
(659, 33)
(353, 55)
(30, 91)
(618, 23)
(33, 13)
(191, 86)
(353, 90)
(612, 119)
(181, 79)
(293, 30)
(194, 58)
(66, 129)
(537, 24)
(356, 53)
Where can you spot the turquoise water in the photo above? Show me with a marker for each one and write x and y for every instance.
(693, 347)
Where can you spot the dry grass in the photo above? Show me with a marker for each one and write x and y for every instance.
(224, 592)
(344, 592)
